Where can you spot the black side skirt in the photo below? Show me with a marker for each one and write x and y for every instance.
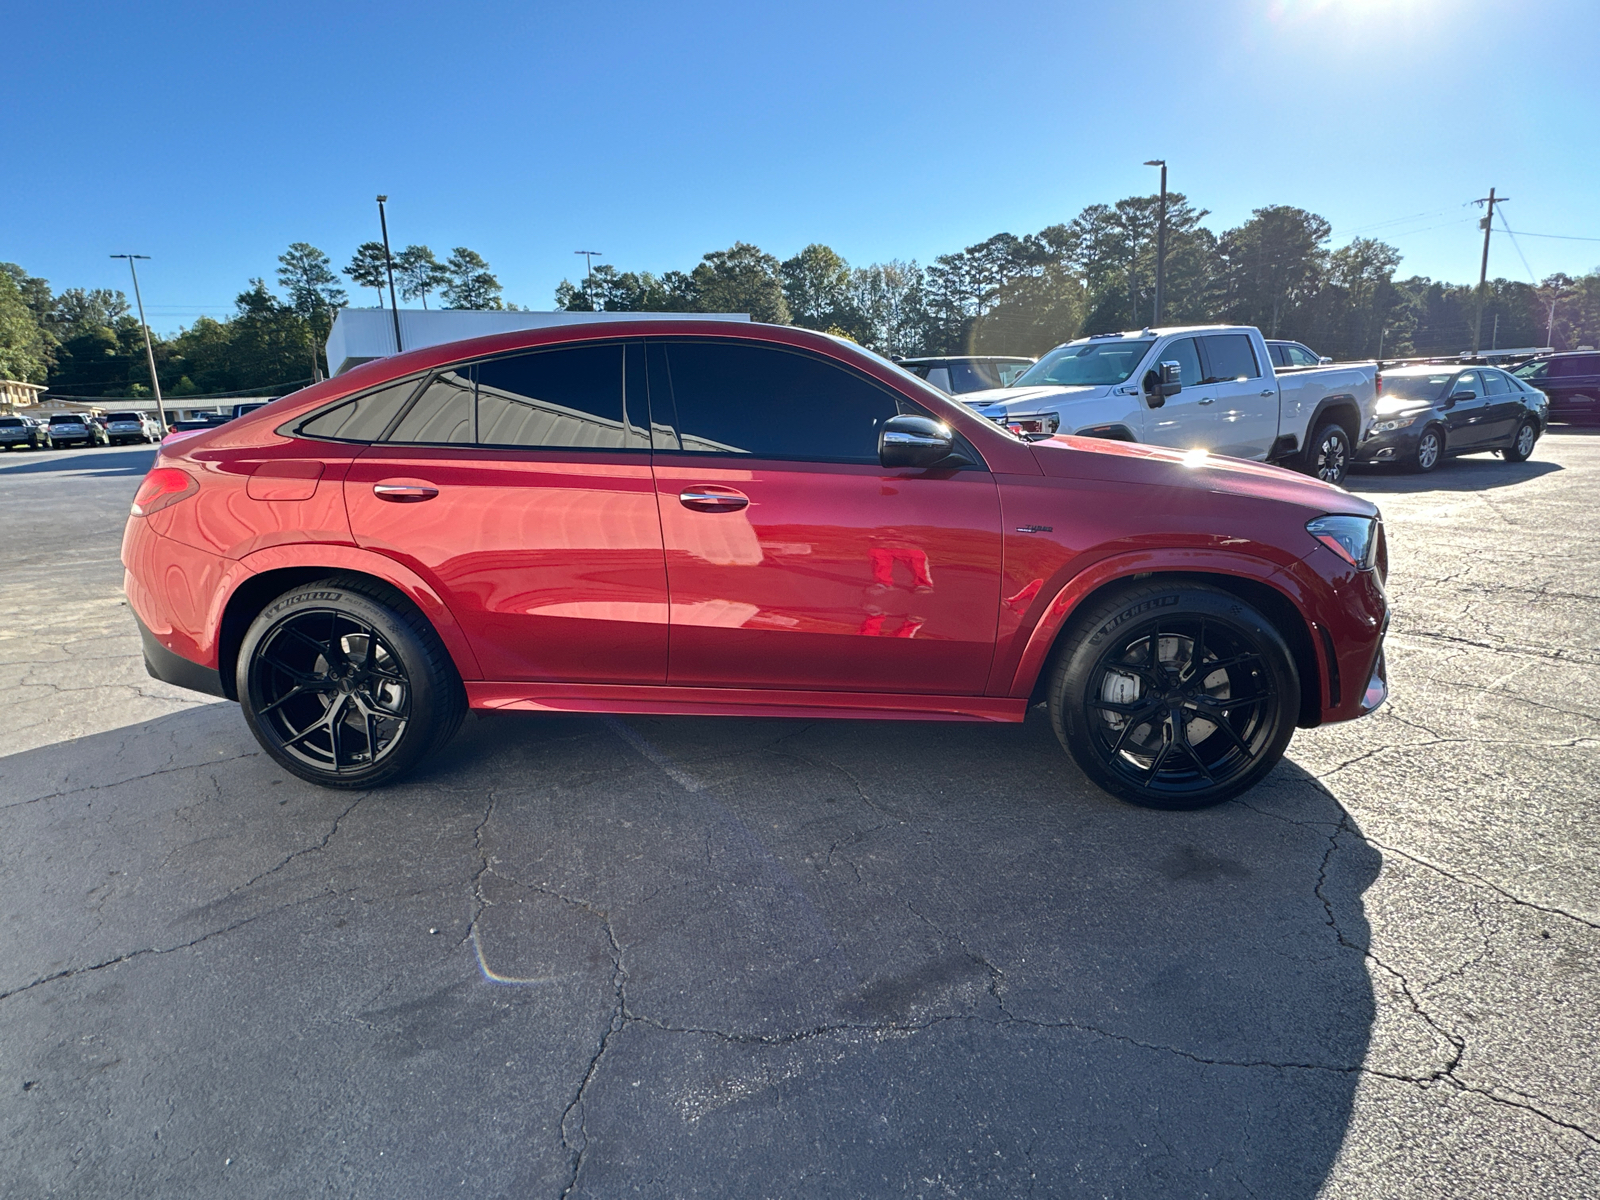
(172, 668)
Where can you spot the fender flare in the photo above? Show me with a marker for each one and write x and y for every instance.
(336, 557)
(1118, 567)
(1342, 400)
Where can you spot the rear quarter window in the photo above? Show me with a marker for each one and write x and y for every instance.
(362, 419)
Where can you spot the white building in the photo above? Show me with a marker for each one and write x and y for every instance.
(362, 334)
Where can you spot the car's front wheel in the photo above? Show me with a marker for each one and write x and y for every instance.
(1430, 449)
(347, 685)
(1174, 695)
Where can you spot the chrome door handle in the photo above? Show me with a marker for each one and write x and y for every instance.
(1268, 392)
(1208, 400)
(404, 493)
(707, 501)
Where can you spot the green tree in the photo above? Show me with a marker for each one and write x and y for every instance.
(742, 278)
(470, 285)
(418, 272)
(890, 311)
(816, 288)
(78, 311)
(1274, 263)
(307, 275)
(23, 346)
(369, 268)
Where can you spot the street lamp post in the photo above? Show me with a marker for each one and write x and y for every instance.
(149, 351)
(388, 262)
(1161, 235)
(588, 269)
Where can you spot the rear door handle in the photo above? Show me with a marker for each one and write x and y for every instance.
(1268, 392)
(1208, 400)
(713, 500)
(404, 493)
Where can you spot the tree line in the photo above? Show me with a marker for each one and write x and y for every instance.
(88, 342)
(1008, 294)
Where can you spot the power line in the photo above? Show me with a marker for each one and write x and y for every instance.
(1560, 237)
(1531, 276)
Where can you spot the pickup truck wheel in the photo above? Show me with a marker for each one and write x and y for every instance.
(346, 686)
(1328, 457)
(1521, 447)
(1430, 450)
(1174, 696)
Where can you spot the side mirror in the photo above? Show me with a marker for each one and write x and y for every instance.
(914, 442)
(1159, 384)
(1464, 394)
(1324, 360)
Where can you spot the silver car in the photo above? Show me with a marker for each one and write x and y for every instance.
(131, 427)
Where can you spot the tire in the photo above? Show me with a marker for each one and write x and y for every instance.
(1430, 450)
(1126, 704)
(387, 685)
(1521, 447)
(1329, 452)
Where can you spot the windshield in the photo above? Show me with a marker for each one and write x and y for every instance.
(1533, 370)
(1086, 364)
(1416, 387)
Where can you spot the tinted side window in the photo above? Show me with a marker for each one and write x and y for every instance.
(559, 399)
(1497, 383)
(363, 419)
(1560, 368)
(737, 398)
(1278, 354)
(1299, 356)
(442, 414)
(1467, 381)
(1187, 356)
(1232, 357)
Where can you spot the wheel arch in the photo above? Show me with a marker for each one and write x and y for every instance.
(1286, 616)
(268, 574)
(1341, 408)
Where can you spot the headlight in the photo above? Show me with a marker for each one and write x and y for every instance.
(1354, 539)
(1393, 423)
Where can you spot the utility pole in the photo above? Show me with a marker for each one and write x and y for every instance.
(1483, 271)
(149, 352)
(1161, 235)
(388, 261)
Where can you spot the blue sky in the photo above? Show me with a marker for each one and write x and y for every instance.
(209, 136)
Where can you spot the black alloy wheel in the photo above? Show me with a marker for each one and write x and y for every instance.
(1175, 696)
(1521, 448)
(1330, 455)
(347, 685)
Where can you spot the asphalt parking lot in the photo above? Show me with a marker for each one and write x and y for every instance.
(693, 957)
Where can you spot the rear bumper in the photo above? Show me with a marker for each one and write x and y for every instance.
(172, 668)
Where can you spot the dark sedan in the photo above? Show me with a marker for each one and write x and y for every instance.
(1427, 413)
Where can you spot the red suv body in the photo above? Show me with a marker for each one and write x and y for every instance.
(698, 518)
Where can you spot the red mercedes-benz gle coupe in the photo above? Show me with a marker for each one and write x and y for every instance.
(708, 518)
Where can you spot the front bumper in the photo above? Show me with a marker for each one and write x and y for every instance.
(1398, 445)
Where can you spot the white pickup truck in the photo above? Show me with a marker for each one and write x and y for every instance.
(1204, 386)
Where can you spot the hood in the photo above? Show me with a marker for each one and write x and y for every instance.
(995, 401)
(1157, 466)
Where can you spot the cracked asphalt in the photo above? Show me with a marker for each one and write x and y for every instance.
(608, 957)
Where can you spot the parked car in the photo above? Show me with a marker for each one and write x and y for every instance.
(72, 429)
(131, 426)
(1572, 381)
(199, 421)
(24, 431)
(1428, 413)
(1288, 356)
(249, 406)
(967, 372)
(519, 522)
(1210, 387)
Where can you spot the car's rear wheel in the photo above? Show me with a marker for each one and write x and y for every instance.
(1430, 450)
(1174, 695)
(1329, 454)
(1521, 448)
(347, 685)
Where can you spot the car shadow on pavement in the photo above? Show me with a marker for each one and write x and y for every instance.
(722, 957)
(1472, 474)
(102, 463)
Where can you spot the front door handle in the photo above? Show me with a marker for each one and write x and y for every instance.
(1268, 392)
(404, 493)
(1208, 400)
(713, 499)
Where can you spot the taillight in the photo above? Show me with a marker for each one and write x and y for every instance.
(163, 486)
